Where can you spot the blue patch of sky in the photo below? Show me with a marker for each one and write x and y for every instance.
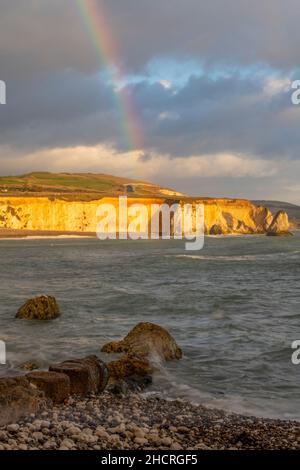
(176, 72)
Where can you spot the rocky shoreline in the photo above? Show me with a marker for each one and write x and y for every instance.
(86, 404)
(110, 421)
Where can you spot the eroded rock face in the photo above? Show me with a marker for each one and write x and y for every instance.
(44, 307)
(146, 340)
(280, 224)
(216, 230)
(262, 217)
(55, 386)
(86, 375)
(18, 398)
(23, 213)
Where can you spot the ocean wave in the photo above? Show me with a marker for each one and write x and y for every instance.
(169, 386)
(256, 257)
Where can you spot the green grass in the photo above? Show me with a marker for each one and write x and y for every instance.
(62, 181)
(75, 185)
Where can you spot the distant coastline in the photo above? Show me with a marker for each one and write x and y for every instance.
(53, 205)
(7, 234)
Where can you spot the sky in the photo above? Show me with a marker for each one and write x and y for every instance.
(190, 94)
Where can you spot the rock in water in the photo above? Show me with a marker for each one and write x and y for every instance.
(44, 307)
(146, 340)
(280, 225)
(129, 366)
(143, 346)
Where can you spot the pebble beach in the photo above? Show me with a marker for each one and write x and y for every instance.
(134, 421)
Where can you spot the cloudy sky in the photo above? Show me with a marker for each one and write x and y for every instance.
(192, 94)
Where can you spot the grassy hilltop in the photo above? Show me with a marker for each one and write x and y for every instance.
(78, 185)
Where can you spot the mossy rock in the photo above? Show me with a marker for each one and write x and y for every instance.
(44, 307)
(129, 366)
(146, 340)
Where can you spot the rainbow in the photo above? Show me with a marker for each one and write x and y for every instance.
(96, 23)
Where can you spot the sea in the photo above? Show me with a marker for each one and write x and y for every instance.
(233, 307)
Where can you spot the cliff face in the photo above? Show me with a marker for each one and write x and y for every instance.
(222, 216)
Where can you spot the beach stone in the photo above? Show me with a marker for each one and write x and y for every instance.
(22, 447)
(166, 441)
(38, 436)
(73, 431)
(146, 340)
(68, 443)
(101, 432)
(141, 441)
(18, 399)
(86, 375)
(139, 433)
(118, 429)
(13, 427)
(55, 385)
(176, 446)
(44, 307)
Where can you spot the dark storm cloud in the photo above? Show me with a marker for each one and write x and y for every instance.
(240, 115)
(58, 109)
(206, 116)
(243, 31)
(41, 35)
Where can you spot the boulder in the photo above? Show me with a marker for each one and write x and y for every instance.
(86, 375)
(143, 348)
(44, 307)
(134, 383)
(129, 366)
(146, 340)
(55, 386)
(280, 225)
(18, 399)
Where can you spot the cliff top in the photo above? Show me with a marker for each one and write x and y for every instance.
(79, 185)
(86, 187)
(91, 186)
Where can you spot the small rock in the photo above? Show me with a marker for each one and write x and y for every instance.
(68, 443)
(13, 427)
(38, 436)
(141, 441)
(166, 441)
